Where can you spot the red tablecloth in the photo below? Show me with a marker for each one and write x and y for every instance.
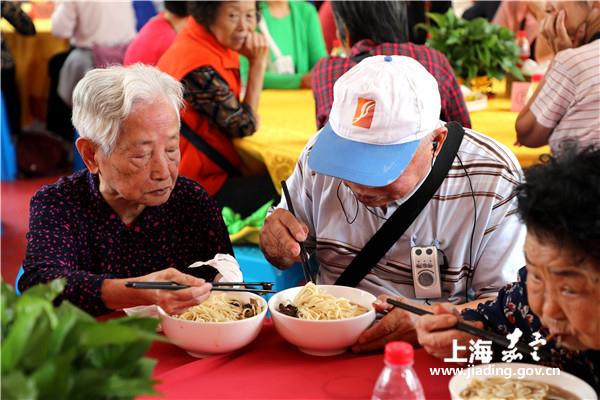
(271, 368)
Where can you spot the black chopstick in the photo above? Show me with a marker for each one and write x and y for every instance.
(156, 285)
(303, 252)
(461, 326)
(178, 286)
(264, 285)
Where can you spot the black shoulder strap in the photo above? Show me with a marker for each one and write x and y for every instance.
(207, 149)
(406, 213)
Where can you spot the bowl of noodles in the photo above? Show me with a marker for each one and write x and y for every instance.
(225, 322)
(322, 320)
(512, 381)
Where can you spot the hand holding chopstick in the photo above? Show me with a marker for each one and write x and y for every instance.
(499, 340)
(303, 252)
(217, 286)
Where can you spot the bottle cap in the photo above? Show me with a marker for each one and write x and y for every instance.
(537, 77)
(521, 34)
(399, 353)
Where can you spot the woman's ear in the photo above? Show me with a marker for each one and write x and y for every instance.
(87, 150)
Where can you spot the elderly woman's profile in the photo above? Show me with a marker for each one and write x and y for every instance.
(128, 216)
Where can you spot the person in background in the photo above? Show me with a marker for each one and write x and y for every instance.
(327, 25)
(566, 104)
(128, 216)
(375, 152)
(12, 12)
(88, 25)
(295, 31)
(416, 11)
(157, 34)
(557, 293)
(370, 28)
(481, 8)
(524, 16)
(205, 59)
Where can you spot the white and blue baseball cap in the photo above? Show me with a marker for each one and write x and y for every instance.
(382, 108)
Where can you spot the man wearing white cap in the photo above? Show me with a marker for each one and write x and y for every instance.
(379, 148)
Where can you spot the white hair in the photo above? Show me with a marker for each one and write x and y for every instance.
(105, 97)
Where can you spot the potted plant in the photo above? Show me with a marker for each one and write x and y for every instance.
(51, 352)
(474, 48)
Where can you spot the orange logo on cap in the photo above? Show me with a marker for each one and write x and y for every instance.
(365, 109)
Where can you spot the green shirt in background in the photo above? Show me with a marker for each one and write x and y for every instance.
(298, 35)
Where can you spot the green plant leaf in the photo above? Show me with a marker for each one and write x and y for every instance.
(16, 386)
(63, 352)
(473, 48)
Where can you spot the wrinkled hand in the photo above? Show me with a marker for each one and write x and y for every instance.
(279, 237)
(175, 301)
(554, 30)
(398, 324)
(435, 333)
(255, 47)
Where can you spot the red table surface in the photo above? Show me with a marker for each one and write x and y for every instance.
(271, 368)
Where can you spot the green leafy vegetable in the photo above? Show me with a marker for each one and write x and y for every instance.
(474, 48)
(61, 352)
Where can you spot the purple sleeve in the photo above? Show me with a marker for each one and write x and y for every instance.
(53, 249)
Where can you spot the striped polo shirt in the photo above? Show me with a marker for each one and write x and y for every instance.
(339, 226)
(569, 101)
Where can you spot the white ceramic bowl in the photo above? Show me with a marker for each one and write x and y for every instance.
(323, 338)
(202, 339)
(562, 380)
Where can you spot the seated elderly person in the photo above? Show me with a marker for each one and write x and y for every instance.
(566, 104)
(368, 28)
(129, 216)
(381, 145)
(557, 293)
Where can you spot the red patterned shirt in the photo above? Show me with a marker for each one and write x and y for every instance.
(328, 70)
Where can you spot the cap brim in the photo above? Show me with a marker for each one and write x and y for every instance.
(362, 163)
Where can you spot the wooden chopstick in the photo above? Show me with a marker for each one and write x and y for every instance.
(303, 252)
(178, 286)
(461, 326)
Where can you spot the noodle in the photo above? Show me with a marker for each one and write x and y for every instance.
(312, 303)
(513, 389)
(219, 308)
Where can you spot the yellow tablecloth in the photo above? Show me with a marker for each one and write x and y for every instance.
(287, 121)
(31, 54)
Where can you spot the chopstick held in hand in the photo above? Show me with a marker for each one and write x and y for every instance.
(303, 252)
(461, 326)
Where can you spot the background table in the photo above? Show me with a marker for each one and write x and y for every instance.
(271, 368)
(31, 55)
(287, 122)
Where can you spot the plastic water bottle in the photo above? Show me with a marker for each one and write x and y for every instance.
(524, 47)
(398, 380)
(535, 82)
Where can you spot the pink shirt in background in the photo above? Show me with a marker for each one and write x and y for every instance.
(89, 23)
(151, 42)
(569, 101)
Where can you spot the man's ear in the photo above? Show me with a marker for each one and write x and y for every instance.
(87, 150)
(439, 136)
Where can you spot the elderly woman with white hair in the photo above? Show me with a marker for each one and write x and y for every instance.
(129, 216)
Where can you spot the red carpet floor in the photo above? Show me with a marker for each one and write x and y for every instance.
(14, 204)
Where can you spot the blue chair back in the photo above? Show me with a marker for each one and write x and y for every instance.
(8, 169)
(21, 271)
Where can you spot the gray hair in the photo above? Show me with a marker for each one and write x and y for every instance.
(105, 97)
